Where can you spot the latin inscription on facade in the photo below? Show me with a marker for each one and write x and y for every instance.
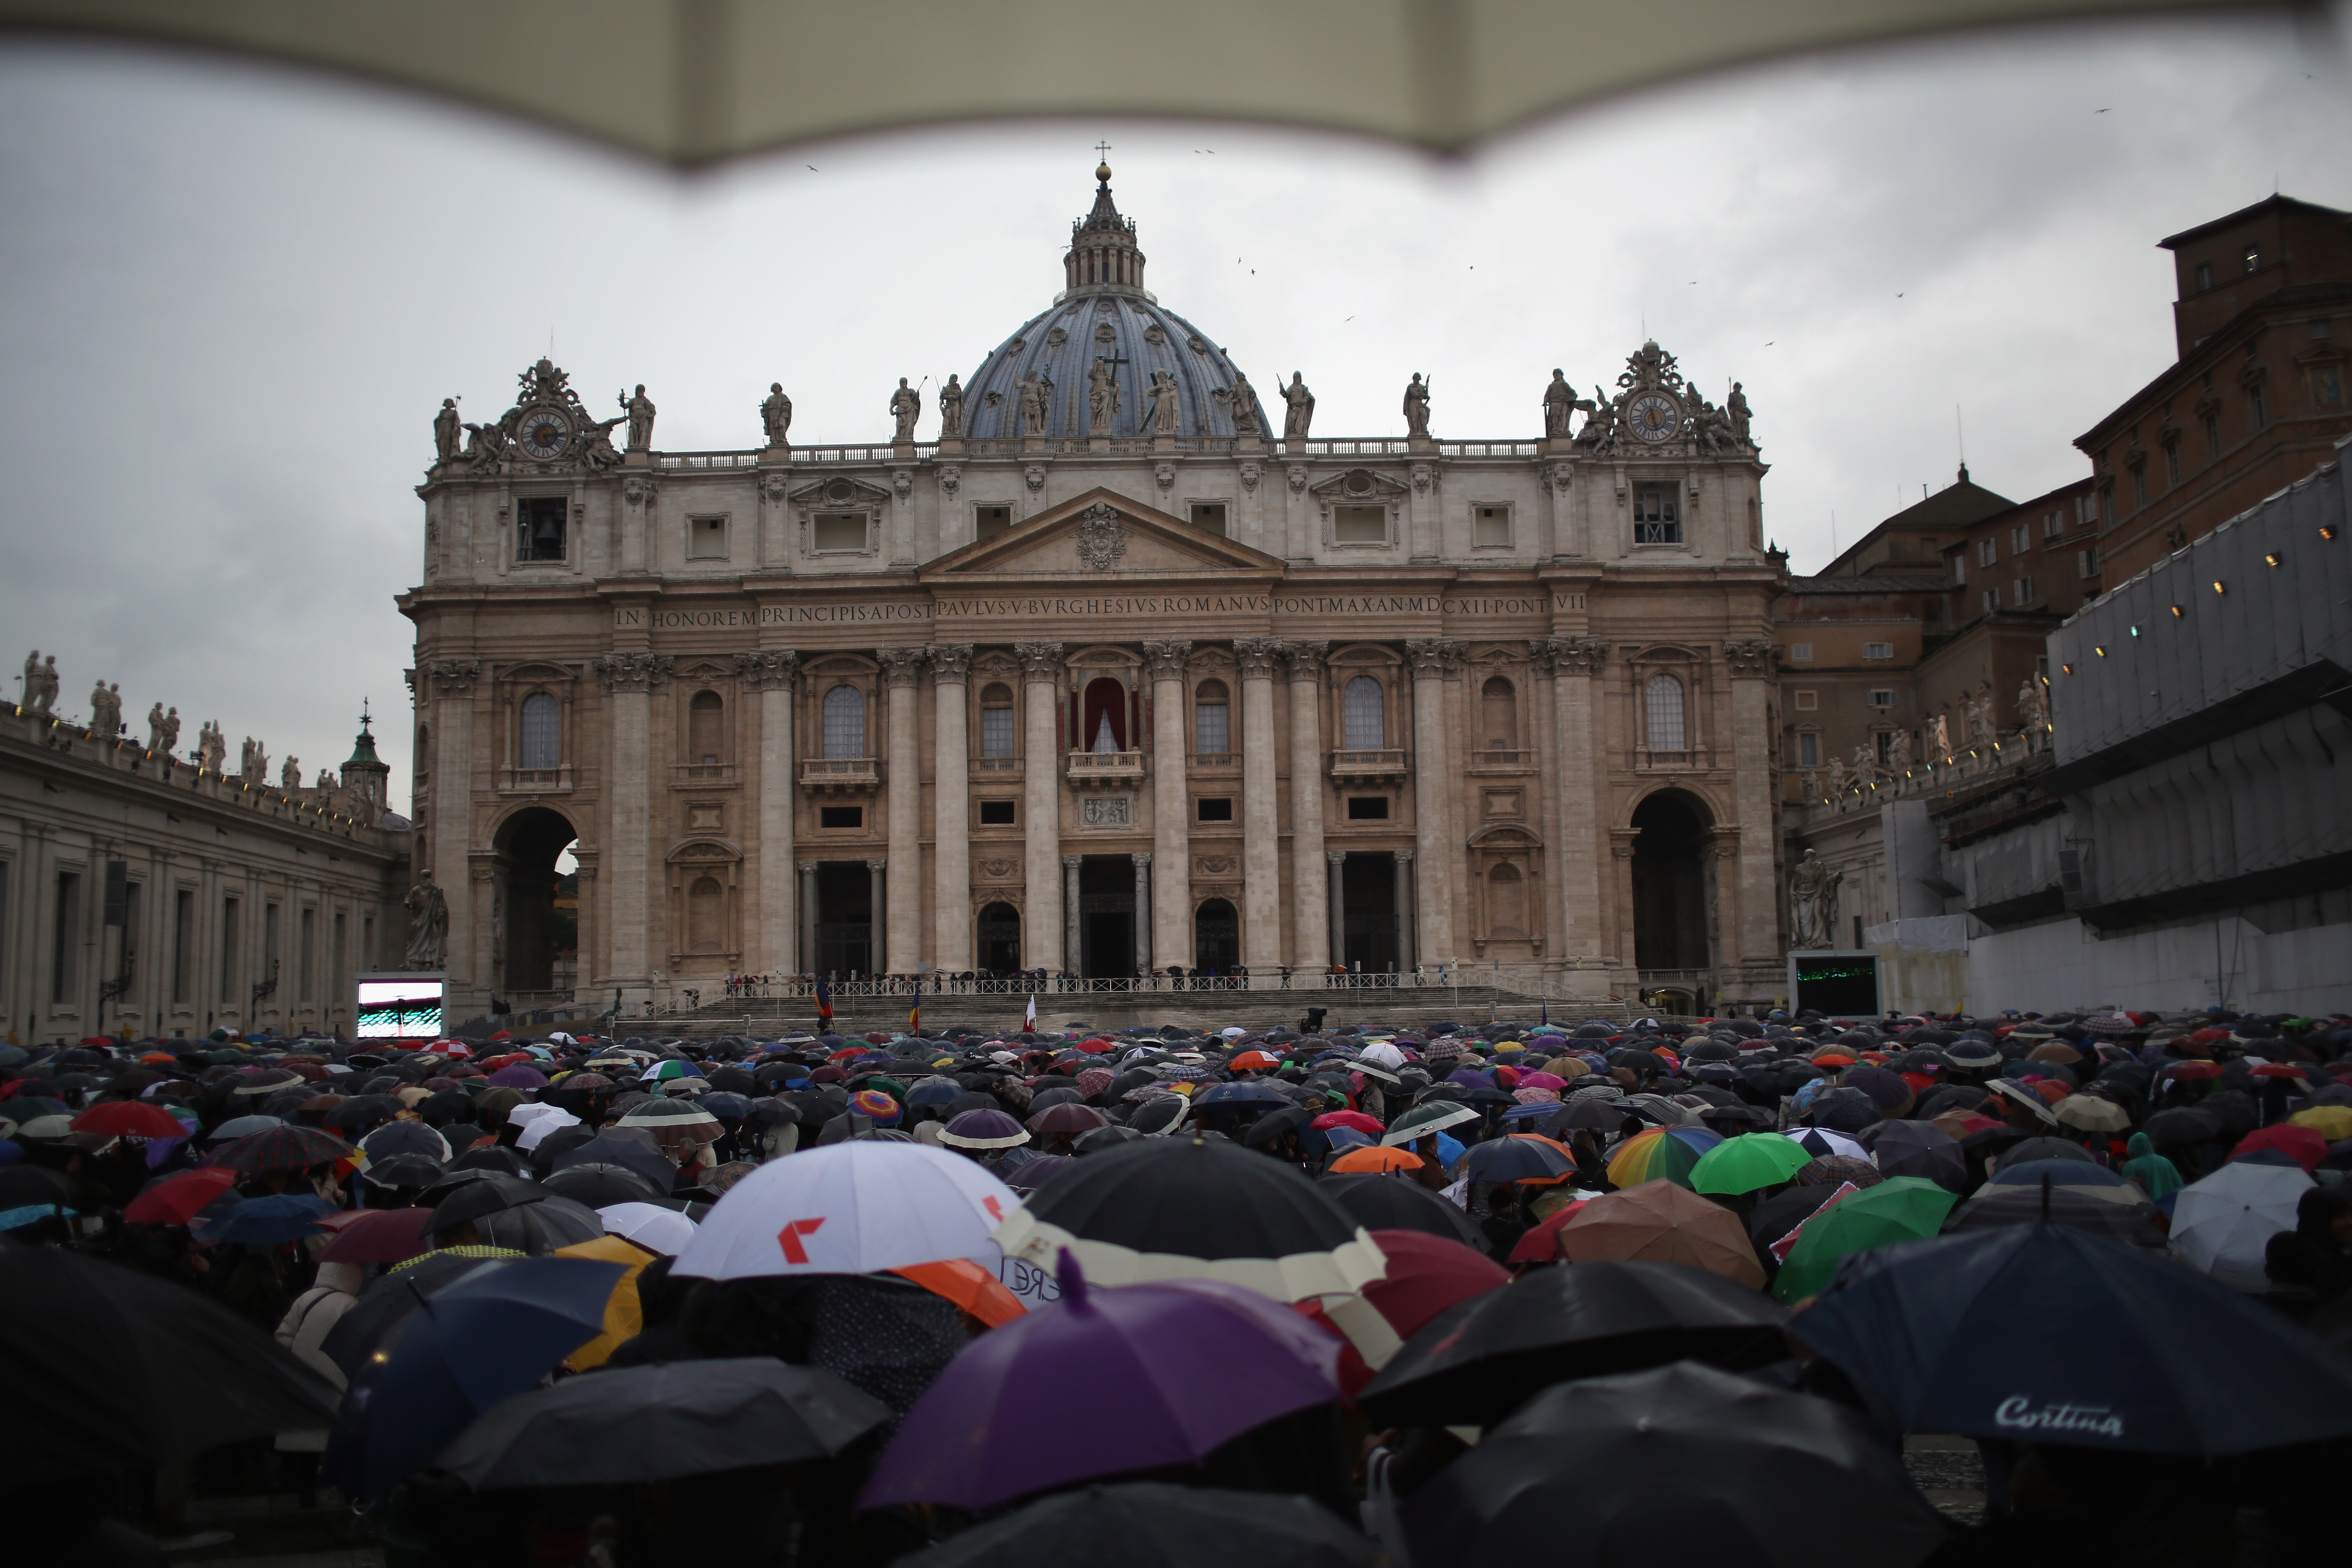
(1025, 607)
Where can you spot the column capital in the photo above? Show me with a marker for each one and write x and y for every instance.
(1570, 656)
(808, 867)
(1039, 660)
(1144, 858)
(902, 666)
(882, 864)
(1256, 656)
(1435, 656)
(1335, 855)
(769, 670)
(455, 677)
(1068, 860)
(1305, 658)
(1752, 659)
(1165, 658)
(952, 663)
(633, 672)
(1404, 857)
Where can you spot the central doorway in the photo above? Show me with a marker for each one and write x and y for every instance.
(1670, 891)
(1217, 936)
(997, 939)
(539, 903)
(1106, 916)
(1367, 928)
(844, 918)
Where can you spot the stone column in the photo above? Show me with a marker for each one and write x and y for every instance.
(877, 899)
(807, 964)
(1172, 889)
(1041, 803)
(451, 823)
(1580, 752)
(1402, 896)
(771, 675)
(1432, 812)
(1754, 665)
(629, 681)
(1261, 810)
(1315, 932)
(902, 678)
(951, 807)
(637, 527)
(1142, 912)
(1336, 907)
(1070, 931)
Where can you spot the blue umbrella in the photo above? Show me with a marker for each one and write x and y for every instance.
(266, 1222)
(1952, 1335)
(495, 1333)
(1518, 1160)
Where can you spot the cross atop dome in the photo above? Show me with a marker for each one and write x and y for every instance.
(1103, 258)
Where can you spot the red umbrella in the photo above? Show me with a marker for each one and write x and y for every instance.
(1426, 1275)
(1370, 1126)
(178, 1199)
(2280, 1069)
(2302, 1145)
(377, 1236)
(1067, 1117)
(130, 1119)
(2192, 1071)
(1541, 1243)
(287, 1147)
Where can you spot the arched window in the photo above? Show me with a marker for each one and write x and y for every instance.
(845, 722)
(541, 731)
(706, 728)
(1499, 715)
(1213, 729)
(997, 721)
(706, 916)
(1506, 902)
(1667, 731)
(1363, 704)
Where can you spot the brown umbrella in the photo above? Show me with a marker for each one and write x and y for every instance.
(1659, 1222)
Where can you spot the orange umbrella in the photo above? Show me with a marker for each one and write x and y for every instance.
(1249, 1061)
(1374, 1158)
(967, 1287)
(1659, 1222)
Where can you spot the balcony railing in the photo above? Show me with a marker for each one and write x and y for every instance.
(703, 773)
(996, 765)
(1393, 763)
(535, 781)
(841, 775)
(710, 459)
(1097, 770)
(1216, 762)
(1502, 760)
(1117, 446)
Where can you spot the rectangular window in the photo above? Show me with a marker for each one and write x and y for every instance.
(1211, 731)
(1882, 698)
(1209, 517)
(2172, 462)
(2022, 591)
(338, 957)
(232, 937)
(996, 731)
(1367, 808)
(1664, 695)
(307, 971)
(2256, 407)
(1216, 808)
(1878, 651)
(2139, 486)
(65, 967)
(837, 533)
(184, 945)
(1809, 749)
(1959, 566)
(1808, 699)
(1801, 653)
(1657, 515)
(841, 816)
(2021, 539)
(2087, 563)
(997, 812)
(1991, 600)
(2212, 435)
(1988, 552)
(988, 522)
(706, 539)
(1885, 742)
(1490, 527)
(543, 731)
(270, 956)
(1360, 525)
(540, 527)
(2093, 505)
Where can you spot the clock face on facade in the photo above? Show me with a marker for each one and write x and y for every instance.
(1654, 416)
(545, 433)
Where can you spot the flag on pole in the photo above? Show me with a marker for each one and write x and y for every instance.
(915, 1013)
(1547, 1009)
(823, 1001)
(1029, 1019)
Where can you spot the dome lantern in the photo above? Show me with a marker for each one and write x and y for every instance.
(1103, 258)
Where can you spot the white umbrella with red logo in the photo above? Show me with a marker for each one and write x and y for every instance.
(857, 1207)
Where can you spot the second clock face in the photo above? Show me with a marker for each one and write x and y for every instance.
(1654, 416)
(545, 433)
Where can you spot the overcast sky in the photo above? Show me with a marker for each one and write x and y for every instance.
(234, 298)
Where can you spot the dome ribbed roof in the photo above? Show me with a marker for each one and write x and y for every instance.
(1104, 315)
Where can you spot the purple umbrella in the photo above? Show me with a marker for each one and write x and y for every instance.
(519, 1076)
(1001, 1420)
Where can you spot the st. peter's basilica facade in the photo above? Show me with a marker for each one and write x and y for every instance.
(1108, 663)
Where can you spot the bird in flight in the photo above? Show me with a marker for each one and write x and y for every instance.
(2102, 111)
(814, 170)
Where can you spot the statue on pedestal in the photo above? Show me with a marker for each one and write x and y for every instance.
(1812, 902)
(105, 710)
(1736, 408)
(445, 430)
(1164, 408)
(162, 729)
(212, 748)
(640, 411)
(776, 414)
(1300, 413)
(1559, 402)
(40, 682)
(951, 410)
(1416, 408)
(1245, 405)
(289, 777)
(1102, 398)
(428, 924)
(906, 406)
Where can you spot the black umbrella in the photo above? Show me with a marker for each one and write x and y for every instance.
(2026, 1150)
(1102, 1138)
(1676, 1464)
(403, 1171)
(610, 1148)
(1996, 1206)
(374, 1321)
(1479, 1360)
(540, 1229)
(602, 1186)
(1595, 1115)
(179, 1373)
(1180, 1207)
(1920, 1149)
(495, 1157)
(2182, 1363)
(2181, 1125)
(1150, 1524)
(683, 1418)
(1393, 1202)
(483, 1196)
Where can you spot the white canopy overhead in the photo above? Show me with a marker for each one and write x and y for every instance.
(692, 83)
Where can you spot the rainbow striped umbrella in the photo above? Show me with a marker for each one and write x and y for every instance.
(1663, 1153)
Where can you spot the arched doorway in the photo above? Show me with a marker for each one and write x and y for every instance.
(1217, 936)
(996, 938)
(538, 906)
(1670, 882)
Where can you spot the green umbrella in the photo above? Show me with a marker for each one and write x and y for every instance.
(1900, 1208)
(1748, 1161)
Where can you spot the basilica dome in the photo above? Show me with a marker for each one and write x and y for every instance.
(1104, 313)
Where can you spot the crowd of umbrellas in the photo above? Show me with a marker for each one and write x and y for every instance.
(1599, 1294)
